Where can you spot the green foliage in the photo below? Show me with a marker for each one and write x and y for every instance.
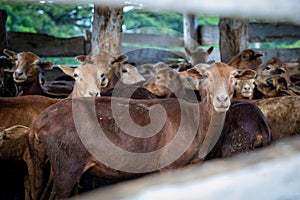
(139, 19)
(270, 45)
(53, 19)
(65, 20)
(207, 20)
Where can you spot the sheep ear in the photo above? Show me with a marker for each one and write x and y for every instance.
(120, 59)
(46, 65)
(194, 73)
(10, 54)
(198, 72)
(82, 58)
(67, 70)
(210, 50)
(244, 74)
(171, 75)
(258, 55)
(281, 70)
(188, 52)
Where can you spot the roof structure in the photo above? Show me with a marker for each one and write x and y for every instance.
(276, 10)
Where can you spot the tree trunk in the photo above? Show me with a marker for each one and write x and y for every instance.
(233, 37)
(3, 36)
(190, 32)
(107, 30)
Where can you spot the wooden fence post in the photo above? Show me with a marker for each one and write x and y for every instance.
(107, 30)
(233, 37)
(3, 36)
(190, 32)
(88, 42)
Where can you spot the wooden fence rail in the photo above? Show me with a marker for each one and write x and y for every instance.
(48, 46)
(257, 32)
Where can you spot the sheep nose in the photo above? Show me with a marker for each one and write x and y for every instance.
(222, 98)
(93, 94)
(247, 88)
(18, 74)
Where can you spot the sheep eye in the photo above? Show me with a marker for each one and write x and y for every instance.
(205, 75)
(124, 70)
(267, 68)
(76, 75)
(269, 81)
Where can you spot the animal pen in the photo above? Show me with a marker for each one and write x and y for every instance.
(271, 173)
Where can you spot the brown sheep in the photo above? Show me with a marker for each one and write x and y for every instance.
(14, 147)
(274, 80)
(247, 59)
(198, 56)
(283, 114)
(70, 159)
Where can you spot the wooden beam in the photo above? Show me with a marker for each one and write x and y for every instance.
(189, 31)
(152, 39)
(257, 32)
(285, 55)
(88, 42)
(233, 37)
(3, 36)
(45, 45)
(208, 35)
(107, 29)
(150, 55)
(280, 32)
